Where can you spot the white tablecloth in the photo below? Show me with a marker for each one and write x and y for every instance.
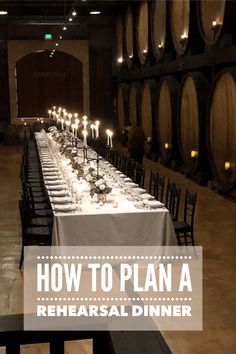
(108, 225)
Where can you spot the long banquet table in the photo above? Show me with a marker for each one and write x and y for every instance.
(120, 221)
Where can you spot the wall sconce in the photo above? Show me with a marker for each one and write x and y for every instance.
(131, 56)
(194, 154)
(160, 46)
(145, 51)
(183, 40)
(120, 60)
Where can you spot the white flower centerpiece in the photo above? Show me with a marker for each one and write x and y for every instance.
(98, 185)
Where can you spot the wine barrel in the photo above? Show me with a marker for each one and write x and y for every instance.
(214, 18)
(119, 40)
(142, 32)
(122, 106)
(221, 129)
(148, 107)
(167, 100)
(192, 105)
(158, 27)
(10, 134)
(179, 23)
(135, 103)
(129, 37)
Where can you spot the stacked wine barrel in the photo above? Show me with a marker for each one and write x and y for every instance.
(192, 122)
(189, 25)
(189, 116)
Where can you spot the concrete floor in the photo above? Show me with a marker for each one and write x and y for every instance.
(215, 230)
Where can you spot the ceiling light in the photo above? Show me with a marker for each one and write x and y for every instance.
(74, 13)
(56, 44)
(64, 28)
(3, 12)
(70, 19)
(95, 12)
(60, 37)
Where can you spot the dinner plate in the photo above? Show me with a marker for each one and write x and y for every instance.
(55, 182)
(154, 204)
(58, 187)
(131, 184)
(61, 200)
(51, 174)
(52, 178)
(51, 169)
(139, 190)
(146, 196)
(64, 208)
(127, 179)
(56, 194)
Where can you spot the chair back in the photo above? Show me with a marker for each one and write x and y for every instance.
(139, 175)
(169, 194)
(189, 207)
(157, 185)
(175, 202)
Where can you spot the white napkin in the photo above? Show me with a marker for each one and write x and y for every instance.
(55, 182)
(154, 204)
(58, 193)
(139, 190)
(146, 196)
(59, 187)
(61, 200)
(63, 208)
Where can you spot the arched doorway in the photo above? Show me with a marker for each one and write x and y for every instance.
(43, 82)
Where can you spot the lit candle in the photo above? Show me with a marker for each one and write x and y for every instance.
(49, 113)
(108, 136)
(184, 36)
(68, 125)
(92, 128)
(166, 146)
(85, 123)
(73, 128)
(111, 144)
(70, 116)
(76, 129)
(97, 128)
(62, 123)
(76, 117)
(57, 117)
(227, 165)
(194, 154)
(85, 133)
(77, 122)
